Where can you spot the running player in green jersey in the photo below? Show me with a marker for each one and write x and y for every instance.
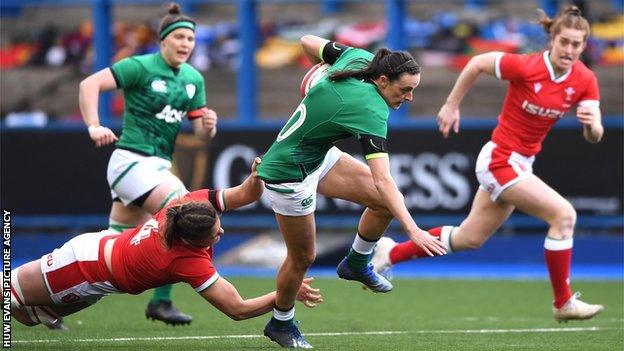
(159, 90)
(352, 101)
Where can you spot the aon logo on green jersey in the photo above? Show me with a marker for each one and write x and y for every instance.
(170, 115)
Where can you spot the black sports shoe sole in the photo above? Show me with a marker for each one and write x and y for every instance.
(168, 322)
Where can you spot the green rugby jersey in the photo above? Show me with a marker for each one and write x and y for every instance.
(331, 111)
(157, 97)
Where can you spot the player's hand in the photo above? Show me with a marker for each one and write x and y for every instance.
(429, 243)
(209, 119)
(254, 167)
(448, 118)
(586, 115)
(308, 295)
(102, 135)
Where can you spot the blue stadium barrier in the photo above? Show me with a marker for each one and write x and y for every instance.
(596, 257)
(238, 220)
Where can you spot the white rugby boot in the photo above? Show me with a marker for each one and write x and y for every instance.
(576, 309)
(381, 257)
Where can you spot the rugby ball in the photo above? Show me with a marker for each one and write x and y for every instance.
(314, 75)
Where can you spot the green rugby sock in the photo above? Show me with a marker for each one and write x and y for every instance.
(162, 293)
(357, 260)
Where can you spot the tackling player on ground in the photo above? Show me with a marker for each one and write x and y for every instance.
(175, 245)
(159, 90)
(542, 88)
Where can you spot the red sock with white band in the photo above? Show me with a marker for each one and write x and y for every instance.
(407, 250)
(558, 255)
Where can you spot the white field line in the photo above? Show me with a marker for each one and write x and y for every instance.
(252, 336)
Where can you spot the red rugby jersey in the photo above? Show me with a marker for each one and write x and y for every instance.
(140, 260)
(536, 99)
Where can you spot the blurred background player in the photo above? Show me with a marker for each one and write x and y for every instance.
(352, 101)
(173, 246)
(159, 90)
(543, 87)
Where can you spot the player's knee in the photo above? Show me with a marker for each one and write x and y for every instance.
(380, 211)
(564, 219)
(304, 260)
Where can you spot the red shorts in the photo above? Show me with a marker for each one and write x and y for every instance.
(497, 169)
(76, 272)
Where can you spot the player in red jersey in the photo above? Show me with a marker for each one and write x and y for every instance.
(542, 88)
(174, 246)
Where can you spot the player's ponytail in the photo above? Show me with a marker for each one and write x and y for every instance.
(385, 62)
(174, 19)
(190, 221)
(570, 17)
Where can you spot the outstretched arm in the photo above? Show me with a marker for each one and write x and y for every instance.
(247, 192)
(89, 92)
(392, 197)
(224, 296)
(448, 117)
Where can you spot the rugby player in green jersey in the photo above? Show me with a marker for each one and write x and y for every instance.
(159, 90)
(351, 101)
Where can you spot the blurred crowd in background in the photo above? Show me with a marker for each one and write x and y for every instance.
(450, 35)
(444, 38)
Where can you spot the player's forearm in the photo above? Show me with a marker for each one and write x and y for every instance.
(463, 84)
(255, 307)
(88, 101)
(477, 65)
(205, 134)
(593, 133)
(394, 201)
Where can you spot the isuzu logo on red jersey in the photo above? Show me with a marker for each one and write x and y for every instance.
(541, 111)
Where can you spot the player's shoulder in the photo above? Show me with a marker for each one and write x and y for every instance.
(145, 60)
(191, 72)
(582, 71)
(529, 62)
(352, 54)
(364, 96)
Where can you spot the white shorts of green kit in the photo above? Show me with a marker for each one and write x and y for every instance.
(131, 175)
(299, 199)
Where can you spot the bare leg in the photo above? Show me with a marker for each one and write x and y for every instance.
(484, 219)
(536, 198)
(124, 217)
(352, 180)
(299, 235)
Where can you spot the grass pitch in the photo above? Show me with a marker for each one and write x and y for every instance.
(417, 315)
